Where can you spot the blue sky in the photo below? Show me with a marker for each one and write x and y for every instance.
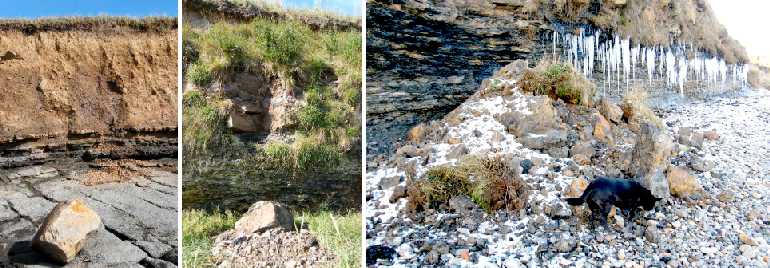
(57, 8)
(345, 7)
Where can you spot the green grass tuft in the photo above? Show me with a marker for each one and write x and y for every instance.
(199, 74)
(340, 234)
(205, 130)
(311, 155)
(198, 231)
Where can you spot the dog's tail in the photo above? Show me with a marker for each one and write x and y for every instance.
(575, 201)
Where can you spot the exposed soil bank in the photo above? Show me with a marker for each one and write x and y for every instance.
(70, 87)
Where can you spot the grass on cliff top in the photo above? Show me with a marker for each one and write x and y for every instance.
(143, 24)
(650, 22)
(558, 80)
(263, 6)
(339, 233)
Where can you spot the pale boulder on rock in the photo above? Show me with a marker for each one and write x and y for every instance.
(264, 215)
(65, 231)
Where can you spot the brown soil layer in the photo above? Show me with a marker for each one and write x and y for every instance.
(74, 82)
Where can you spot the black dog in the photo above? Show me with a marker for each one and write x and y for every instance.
(602, 193)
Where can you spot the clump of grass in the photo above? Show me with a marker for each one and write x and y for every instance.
(310, 155)
(417, 133)
(199, 74)
(497, 185)
(280, 152)
(280, 46)
(205, 128)
(305, 154)
(559, 81)
(490, 182)
(341, 234)
(636, 111)
(198, 231)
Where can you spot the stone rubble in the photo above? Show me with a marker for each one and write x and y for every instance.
(724, 223)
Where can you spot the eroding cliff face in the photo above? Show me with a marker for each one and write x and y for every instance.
(426, 57)
(68, 90)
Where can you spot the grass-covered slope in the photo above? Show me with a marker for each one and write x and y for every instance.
(321, 68)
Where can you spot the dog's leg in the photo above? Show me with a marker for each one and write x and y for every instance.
(632, 215)
(605, 212)
(595, 211)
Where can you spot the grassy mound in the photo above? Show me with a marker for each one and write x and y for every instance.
(558, 80)
(490, 182)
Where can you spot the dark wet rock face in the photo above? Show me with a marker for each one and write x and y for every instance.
(235, 187)
(420, 67)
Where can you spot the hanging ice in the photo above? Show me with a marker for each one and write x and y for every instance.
(619, 62)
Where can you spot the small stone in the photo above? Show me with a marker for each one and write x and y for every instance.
(651, 234)
(65, 230)
(621, 255)
(619, 221)
(398, 192)
(726, 196)
(405, 251)
(746, 239)
(576, 188)
(387, 182)
(748, 251)
(566, 245)
(681, 183)
(463, 253)
(711, 135)
(702, 165)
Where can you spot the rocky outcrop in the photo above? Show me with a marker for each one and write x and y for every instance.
(138, 213)
(64, 232)
(272, 248)
(235, 187)
(107, 88)
(650, 159)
